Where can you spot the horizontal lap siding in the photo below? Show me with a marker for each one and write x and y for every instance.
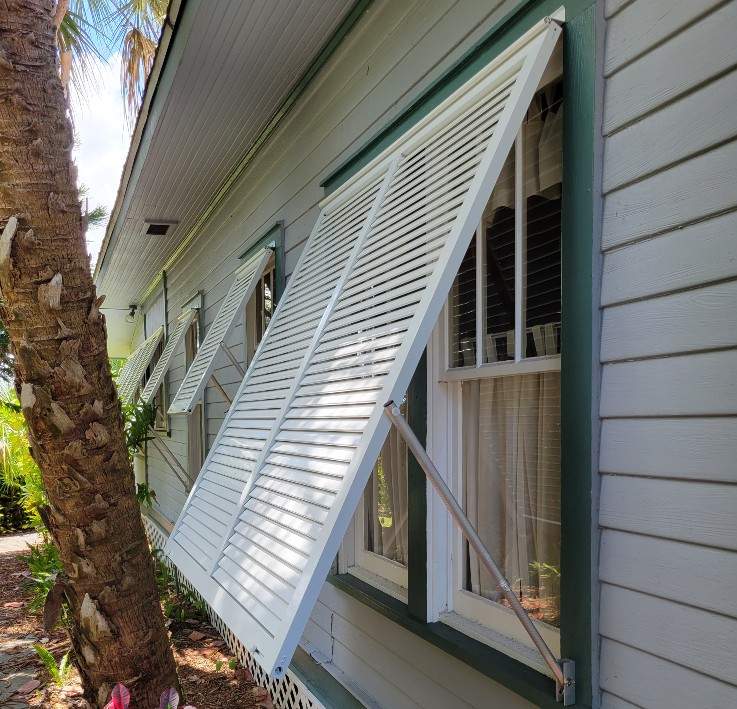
(402, 670)
(395, 52)
(668, 556)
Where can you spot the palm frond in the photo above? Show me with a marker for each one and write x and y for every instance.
(97, 216)
(137, 58)
(139, 22)
(80, 43)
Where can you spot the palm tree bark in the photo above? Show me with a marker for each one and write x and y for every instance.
(51, 311)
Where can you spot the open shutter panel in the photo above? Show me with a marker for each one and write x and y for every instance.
(244, 283)
(132, 373)
(272, 558)
(213, 501)
(162, 366)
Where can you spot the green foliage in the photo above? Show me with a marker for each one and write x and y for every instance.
(145, 494)
(178, 602)
(59, 673)
(116, 366)
(7, 361)
(139, 419)
(21, 485)
(44, 564)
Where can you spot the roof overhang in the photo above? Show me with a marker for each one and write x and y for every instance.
(223, 76)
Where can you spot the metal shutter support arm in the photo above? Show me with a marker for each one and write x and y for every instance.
(563, 670)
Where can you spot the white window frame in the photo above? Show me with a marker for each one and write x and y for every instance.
(378, 571)
(480, 618)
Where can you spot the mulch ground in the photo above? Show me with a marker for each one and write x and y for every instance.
(207, 679)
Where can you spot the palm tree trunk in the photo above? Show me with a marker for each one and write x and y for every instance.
(51, 311)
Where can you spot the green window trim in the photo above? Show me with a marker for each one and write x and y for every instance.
(577, 368)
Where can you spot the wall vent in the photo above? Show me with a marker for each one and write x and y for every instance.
(157, 228)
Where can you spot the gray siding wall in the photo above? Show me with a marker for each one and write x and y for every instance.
(390, 58)
(668, 456)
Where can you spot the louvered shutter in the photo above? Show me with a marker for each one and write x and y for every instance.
(133, 370)
(264, 569)
(244, 283)
(213, 500)
(162, 366)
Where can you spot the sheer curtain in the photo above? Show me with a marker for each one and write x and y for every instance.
(386, 501)
(511, 470)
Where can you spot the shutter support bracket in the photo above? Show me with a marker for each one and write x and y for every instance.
(563, 670)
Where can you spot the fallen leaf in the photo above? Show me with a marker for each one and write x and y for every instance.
(196, 635)
(260, 694)
(28, 687)
(243, 674)
(13, 604)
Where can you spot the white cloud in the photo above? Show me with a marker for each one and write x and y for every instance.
(102, 139)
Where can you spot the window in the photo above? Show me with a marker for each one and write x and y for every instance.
(260, 308)
(161, 420)
(381, 540)
(503, 325)
(195, 423)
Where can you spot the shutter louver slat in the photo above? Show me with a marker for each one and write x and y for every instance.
(132, 373)
(310, 468)
(162, 366)
(195, 380)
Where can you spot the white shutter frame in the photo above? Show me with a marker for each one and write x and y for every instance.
(133, 370)
(245, 280)
(164, 362)
(274, 637)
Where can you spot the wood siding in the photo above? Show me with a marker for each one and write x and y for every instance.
(668, 555)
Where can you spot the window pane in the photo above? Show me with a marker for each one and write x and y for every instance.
(161, 421)
(462, 312)
(498, 222)
(542, 304)
(511, 483)
(195, 444)
(385, 500)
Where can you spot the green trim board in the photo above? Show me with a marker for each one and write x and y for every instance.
(417, 497)
(579, 231)
(577, 383)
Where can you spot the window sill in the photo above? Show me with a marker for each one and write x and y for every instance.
(380, 583)
(494, 664)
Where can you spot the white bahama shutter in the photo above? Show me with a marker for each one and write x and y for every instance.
(162, 366)
(326, 372)
(213, 501)
(244, 283)
(133, 370)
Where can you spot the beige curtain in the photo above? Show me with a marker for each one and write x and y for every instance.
(511, 468)
(387, 501)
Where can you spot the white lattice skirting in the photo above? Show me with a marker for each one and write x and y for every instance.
(286, 693)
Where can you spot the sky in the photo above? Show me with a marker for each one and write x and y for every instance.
(101, 145)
